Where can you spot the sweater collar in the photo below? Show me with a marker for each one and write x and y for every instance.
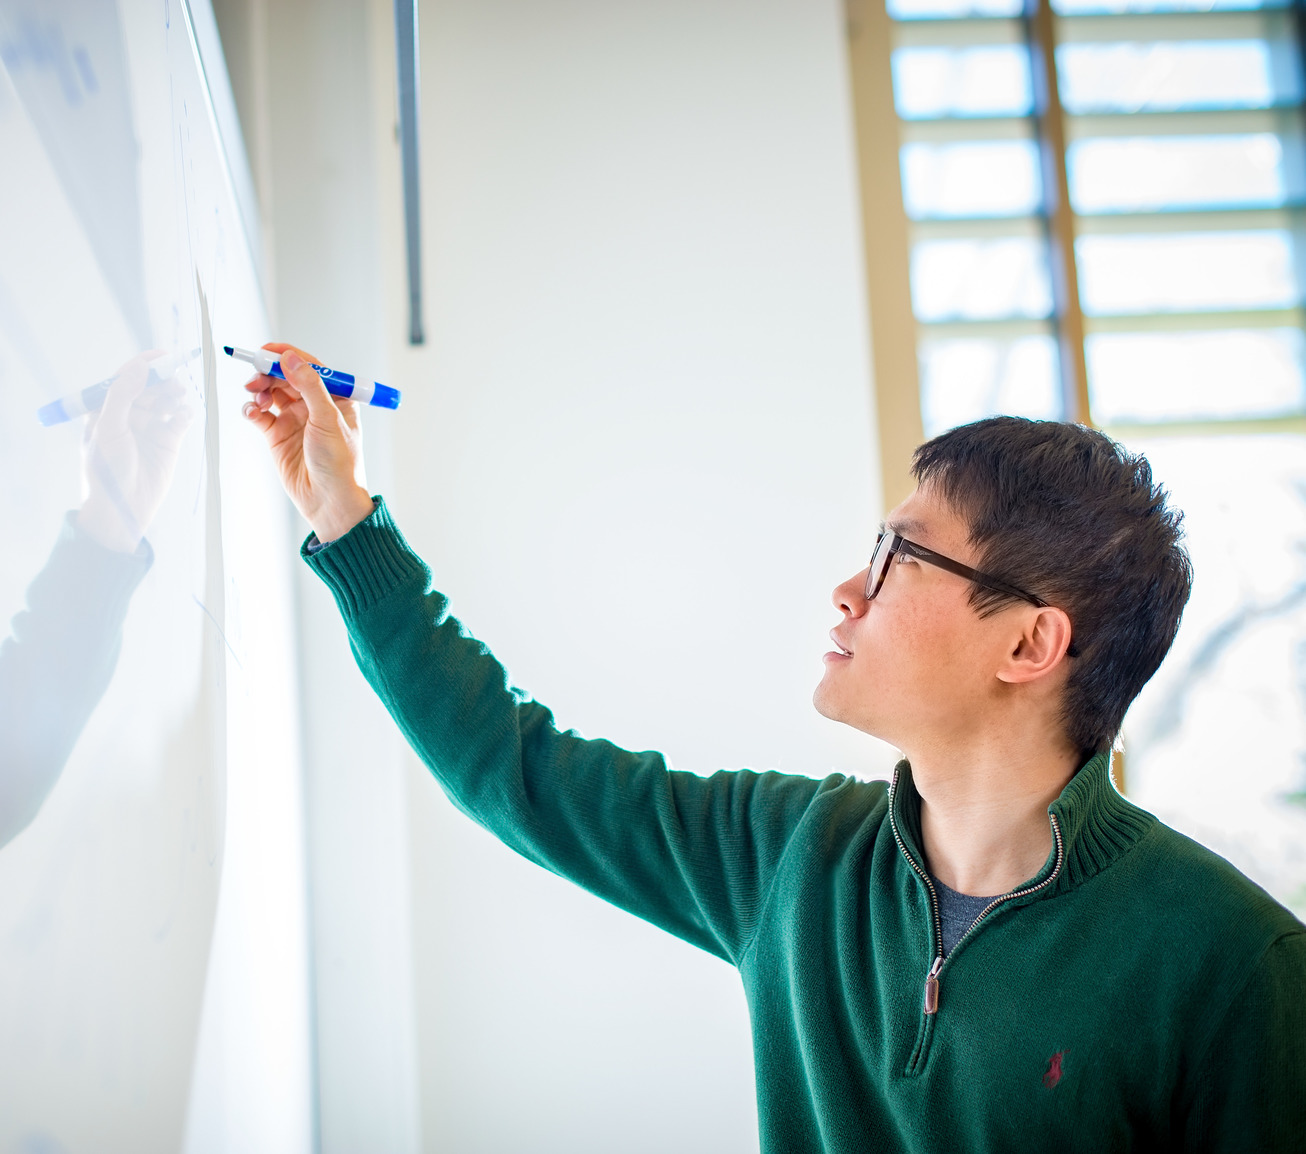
(1096, 823)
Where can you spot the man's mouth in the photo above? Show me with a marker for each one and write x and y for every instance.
(841, 650)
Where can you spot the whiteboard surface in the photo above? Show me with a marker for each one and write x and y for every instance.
(152, 953)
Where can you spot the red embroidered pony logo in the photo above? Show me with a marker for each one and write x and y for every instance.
(1053, 1076)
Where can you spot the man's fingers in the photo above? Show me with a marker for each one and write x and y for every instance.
(277, 395)
(304, 378)
(282, 347)
(272, 396)
(280, 395)
(263, 382)
(261, 419)
(283, 350)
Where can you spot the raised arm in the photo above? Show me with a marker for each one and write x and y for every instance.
(692, 855)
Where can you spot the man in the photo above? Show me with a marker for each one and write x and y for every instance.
(996, 951)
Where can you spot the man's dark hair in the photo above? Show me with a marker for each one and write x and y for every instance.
(1066, 513)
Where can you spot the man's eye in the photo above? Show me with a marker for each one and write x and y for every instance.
(905, 558)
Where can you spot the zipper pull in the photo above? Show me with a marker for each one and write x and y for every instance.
(932, 987)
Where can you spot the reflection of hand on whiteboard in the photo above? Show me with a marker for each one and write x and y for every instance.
(129, 454)
(59, 659)
(315, 442)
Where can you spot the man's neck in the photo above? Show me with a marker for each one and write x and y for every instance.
(984, 825)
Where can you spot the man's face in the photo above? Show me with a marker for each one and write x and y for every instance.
(919, 664)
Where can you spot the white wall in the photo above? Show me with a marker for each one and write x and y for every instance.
(636, 451)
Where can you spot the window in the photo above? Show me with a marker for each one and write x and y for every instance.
(1185, 161)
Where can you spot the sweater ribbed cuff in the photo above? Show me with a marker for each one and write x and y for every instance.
(365, 565)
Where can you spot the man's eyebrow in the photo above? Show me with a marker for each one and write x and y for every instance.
(904, 527)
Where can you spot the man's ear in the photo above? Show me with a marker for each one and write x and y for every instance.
(1040, 647)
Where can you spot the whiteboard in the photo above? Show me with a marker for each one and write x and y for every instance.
(149, 773)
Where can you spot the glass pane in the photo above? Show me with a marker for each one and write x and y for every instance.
(1078, 7)
(1186, 271)
(1142, 173)
(1216, 742)
(1196, 376)
(952, 9)
(991, 80)
(981, 178)
(1170, 75)
(980, 279)
(967, 379)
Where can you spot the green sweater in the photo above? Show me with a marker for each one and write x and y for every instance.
(1138, 993)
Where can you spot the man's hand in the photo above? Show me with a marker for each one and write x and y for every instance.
(315, 442)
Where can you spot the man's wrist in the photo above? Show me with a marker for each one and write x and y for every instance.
(332, 524)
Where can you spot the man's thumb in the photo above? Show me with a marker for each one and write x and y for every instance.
(304, 377)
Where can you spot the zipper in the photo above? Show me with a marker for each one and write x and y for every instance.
(932, 987)
(936, 942)
(932, 977)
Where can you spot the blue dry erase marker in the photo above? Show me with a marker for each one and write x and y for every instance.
(338, 383)
(91, 398)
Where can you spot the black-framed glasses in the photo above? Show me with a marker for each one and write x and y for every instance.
(889, 545)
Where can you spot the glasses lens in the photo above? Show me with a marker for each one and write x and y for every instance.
(879, 563)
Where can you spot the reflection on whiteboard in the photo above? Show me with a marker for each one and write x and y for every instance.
(123, 657)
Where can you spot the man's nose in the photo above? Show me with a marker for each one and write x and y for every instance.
(850, 597)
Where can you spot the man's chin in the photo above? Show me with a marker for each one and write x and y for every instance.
(828, 704)
(835, 707)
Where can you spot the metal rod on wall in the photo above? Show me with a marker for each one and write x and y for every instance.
(409, 97)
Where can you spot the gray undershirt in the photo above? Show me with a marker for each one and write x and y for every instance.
(957, 913)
